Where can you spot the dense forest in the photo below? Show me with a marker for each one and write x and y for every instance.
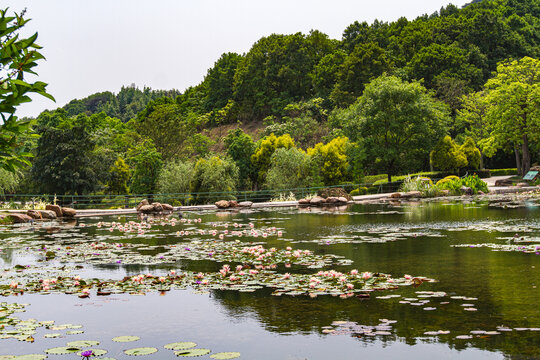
(457, 89)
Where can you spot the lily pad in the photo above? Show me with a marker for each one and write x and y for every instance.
(225, 355)
(62, 350)
(180, 345)
(95, 352)
(192, 352)
(53, 335)
(140, 351)
(83, 343)
(125, 338)
(74, 332)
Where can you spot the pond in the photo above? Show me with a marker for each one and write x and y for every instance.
(451, 278)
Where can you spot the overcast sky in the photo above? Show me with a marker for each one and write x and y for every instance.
(99, 45)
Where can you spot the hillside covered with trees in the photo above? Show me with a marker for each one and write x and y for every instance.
(462, 81)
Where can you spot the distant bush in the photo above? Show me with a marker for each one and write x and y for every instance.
(423, 185)
(360, 191)
(370, 179)
(447, 179)
(501, 172)
(473, 181)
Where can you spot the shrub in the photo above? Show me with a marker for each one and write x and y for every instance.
(362, 190)
(176, 178)
(473, 182)
(447, 155)
(214, 175)
(472, 153)
(501, 172)
(447, 179)
(289, 169)
(419, 184)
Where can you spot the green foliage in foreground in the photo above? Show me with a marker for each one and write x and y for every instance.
(18, 57)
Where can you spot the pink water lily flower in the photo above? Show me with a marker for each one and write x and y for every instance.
(366, 275)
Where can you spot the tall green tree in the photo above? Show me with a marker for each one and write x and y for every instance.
(398, 121)
(18, 57)
(513, 108)
(240, 147)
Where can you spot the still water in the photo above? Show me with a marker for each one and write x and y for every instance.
(502, 288)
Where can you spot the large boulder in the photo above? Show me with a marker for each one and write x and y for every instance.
(47, 214)
(245, 204)
(222, 204)
(317, 200)
(56, 208)
(141, 204)
(522, 184)
(303, 202)
(503, 182)
(18, 218)
(157, 207)
(342, 200)
(146, 209)
(395, 195)
(332, 200)
(68, 212)
(167, 207)
(411, 194)
(34, 214)
(233, 203)
(334, 192)
(465, 190)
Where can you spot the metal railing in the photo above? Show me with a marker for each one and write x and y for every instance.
(111, 201)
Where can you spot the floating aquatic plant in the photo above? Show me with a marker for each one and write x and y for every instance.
(125, 338)
(225, 355)
(140, 351)
(180, 345)
(192, 352)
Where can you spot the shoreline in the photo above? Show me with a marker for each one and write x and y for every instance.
(360, 199)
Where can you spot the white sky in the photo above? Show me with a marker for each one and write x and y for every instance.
(99, 45)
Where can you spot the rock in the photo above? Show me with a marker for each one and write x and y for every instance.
(68, 212)
(141, 204)
(303, 202)
(535, 168)
(167, 207)
(412, 194)
(47, 214)
(233, 203)
(157, 207)
(334, 192)
(445, 192)
(317, 200)
(245, 204)
(222, 204)
(146, 209)
(395, 195)
(522, 184)
(332, 200)
(480, 192)
(503, 182)
(19, 218)
(466, 190)
(34, 214)
(343, 200)
(57, 209)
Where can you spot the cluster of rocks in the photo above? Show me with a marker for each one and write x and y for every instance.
(227, 204)
(154, 208)
(51, 212)
(327, 197)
